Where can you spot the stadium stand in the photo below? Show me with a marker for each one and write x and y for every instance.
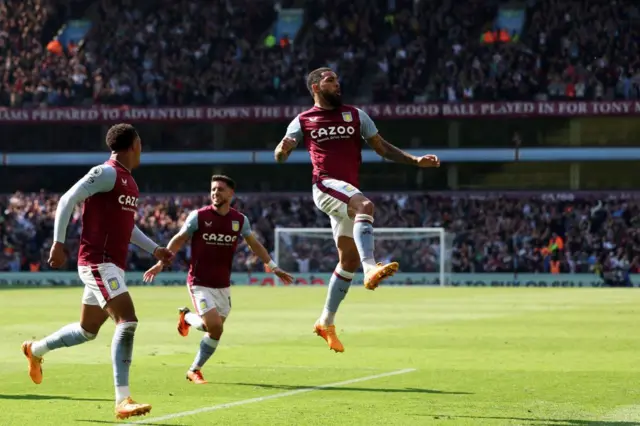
(568, 50)
(400, 51)
(492, 234)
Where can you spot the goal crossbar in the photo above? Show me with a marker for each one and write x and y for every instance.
(386, 233)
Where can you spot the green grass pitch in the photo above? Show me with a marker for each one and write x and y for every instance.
(482, 356)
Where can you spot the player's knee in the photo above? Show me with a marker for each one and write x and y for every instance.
(215, 331)
(350, 263)
(119, 319)
(214, 325)
(365, 207)
(87, 334)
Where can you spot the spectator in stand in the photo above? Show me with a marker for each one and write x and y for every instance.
(490, 234)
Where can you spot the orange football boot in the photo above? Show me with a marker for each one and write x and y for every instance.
(328, 333)
(377, 274)
(35, 363)
(196, 377)
(183, 325)
(129, 408)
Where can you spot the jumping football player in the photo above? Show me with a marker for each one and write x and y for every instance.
(333, 134)
(214, 231)
(110, 196)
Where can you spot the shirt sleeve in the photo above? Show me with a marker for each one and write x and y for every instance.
(246, 227)
(99, 179)
(294, 130)
(368, 128)
(191, 224)
(141, 240)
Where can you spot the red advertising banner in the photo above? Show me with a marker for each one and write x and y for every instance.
(133, 114)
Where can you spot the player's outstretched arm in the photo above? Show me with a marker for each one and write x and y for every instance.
(289, 142)
(263, 255)
(395, 154)
(175, 245)
(99, 179)
(138, 238)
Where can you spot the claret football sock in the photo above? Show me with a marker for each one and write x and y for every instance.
(363, 236)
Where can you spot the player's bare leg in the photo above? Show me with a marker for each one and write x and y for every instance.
(339, 285)
(91, 319)
(213, 324)
(122, 311)
(361, 210)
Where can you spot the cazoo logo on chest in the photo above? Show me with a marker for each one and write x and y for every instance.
(219, 238)
(324, 132)
(128, 200)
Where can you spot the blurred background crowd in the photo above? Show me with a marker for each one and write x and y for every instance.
(491, 234)
(186, 52)
(257, 52)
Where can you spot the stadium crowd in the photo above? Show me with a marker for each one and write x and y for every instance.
(213, 52)
(489, 235)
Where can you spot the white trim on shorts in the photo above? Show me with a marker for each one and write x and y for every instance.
(102, 282)
(205, 299)
(331, 196)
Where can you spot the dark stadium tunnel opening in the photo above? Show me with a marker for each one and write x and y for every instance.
(348, 389)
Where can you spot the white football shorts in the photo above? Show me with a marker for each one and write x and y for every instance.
(102, 282)
(332, 197)
(204, 299)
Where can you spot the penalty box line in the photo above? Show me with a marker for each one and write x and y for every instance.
(269, 397)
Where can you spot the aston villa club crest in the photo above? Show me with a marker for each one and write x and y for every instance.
(235, 226)
(346, 116)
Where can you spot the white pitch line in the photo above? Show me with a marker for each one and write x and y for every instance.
(269, 397)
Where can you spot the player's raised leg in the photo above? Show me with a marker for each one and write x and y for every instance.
(213, 305)
(361, 210)
(187, 319)
(92, 318)
(339, 285)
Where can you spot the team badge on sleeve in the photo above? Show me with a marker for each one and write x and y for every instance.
(235, 226)
(96, 171)
(346, 116)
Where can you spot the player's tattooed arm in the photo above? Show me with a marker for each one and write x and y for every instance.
(284, 148)
(395, 154)
(392, 153)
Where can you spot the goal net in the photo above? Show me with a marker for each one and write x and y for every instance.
(424, 254)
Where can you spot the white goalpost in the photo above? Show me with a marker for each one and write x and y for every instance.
(424, 254)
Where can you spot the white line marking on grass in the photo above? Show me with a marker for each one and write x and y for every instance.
(269, 397)
(624, 413)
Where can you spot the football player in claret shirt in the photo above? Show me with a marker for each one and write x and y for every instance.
(214, 231)
(110, 196)
(333, 134)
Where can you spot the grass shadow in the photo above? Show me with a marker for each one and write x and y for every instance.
(345, 388)
(545, 422)
(33, 397)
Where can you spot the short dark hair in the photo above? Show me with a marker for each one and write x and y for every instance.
(224, 178)
(315, 76)
(121, 137)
